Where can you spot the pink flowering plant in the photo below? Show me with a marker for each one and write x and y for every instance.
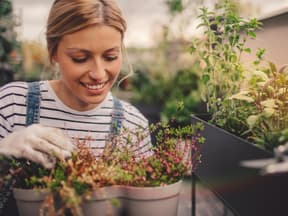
(174, 155)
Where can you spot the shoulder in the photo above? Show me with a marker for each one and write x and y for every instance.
(14, 85)
(12, 89)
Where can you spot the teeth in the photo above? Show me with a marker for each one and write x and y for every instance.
(95, 87)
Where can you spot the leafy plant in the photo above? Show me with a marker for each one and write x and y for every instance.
(232, 114)
(263, 106)
(220, 51)
(149, 89)
(175, 154)
(183, 98)
(167, 93)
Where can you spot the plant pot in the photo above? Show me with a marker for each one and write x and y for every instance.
(102, 202)
(243, 190)
(140, 201)
(29, 201)
(153, 201)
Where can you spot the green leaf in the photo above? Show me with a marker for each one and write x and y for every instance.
(251, 120)
(269, 103)
(260, 74)
(272, 67)
(260, 53)
(251, 34)
(268, 112)
(247, 50)
(205, 78)
(242, 95)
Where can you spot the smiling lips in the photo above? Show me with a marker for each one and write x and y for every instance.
(97, 86)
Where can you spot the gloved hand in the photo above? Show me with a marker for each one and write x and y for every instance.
(40, 144)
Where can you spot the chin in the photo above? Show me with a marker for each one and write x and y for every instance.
(96, 99)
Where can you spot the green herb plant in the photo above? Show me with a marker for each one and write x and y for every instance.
(220, 52)
(232, 115)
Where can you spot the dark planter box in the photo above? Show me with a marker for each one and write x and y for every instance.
(243, 190)
(151, 112)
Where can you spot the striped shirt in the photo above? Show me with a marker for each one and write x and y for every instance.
(93, 124)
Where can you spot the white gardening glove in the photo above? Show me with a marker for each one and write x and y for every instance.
(37, 143)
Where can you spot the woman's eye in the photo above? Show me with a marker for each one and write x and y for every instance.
(110, 58)
(79, 60)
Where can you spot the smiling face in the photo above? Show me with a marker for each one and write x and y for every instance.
(89, 62)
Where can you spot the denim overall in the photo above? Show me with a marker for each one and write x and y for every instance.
(32, 116)
(33, 104)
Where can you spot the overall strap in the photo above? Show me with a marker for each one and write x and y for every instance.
(117, 117)
(33, 103)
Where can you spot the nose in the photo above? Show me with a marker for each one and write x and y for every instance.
(97, 70)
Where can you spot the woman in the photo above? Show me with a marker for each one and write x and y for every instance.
(85, 40)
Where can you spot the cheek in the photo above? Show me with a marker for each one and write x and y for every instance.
(117, 67)
(71, 71)
(119, 64)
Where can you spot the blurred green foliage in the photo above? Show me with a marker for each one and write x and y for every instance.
(8, 42)
(175, 6)
(168, 93)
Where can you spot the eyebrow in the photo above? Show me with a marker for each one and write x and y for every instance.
(88, 51)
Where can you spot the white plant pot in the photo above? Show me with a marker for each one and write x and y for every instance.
(153, 201)
(101, 202)
(134, 201)
(29, 201)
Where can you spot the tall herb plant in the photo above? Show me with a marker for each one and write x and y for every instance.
(220, 51)
(247, 100)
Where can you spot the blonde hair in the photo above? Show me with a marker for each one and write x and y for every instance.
(68, 16)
